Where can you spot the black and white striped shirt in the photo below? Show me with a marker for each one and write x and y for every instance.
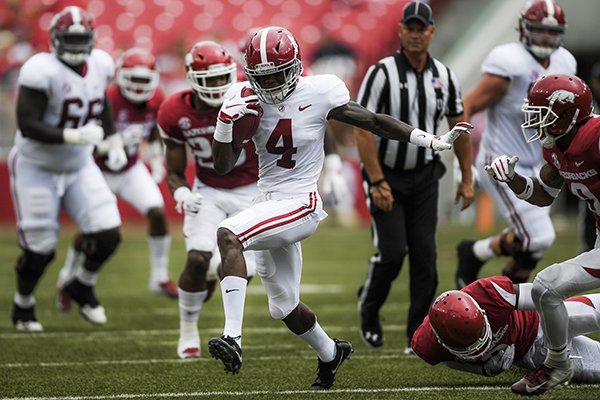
(393, 87)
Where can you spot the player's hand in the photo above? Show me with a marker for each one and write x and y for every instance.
(502, 168)
(116, 156)
(133, 134)
(445, 141)
(188, 202)
(157, 166)
(334, 183)
(235, 108)
(90, 133)
(498, 360)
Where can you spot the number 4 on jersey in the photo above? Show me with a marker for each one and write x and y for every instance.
(285, 146)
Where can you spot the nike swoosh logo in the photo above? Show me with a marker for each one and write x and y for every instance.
(233, 105)
(231, 290)
(300, 108)
(578, 163)
(531, 389)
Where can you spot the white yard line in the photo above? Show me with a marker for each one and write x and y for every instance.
(285, 392)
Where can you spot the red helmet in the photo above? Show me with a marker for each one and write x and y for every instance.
(273, 64)
(137, 76)
(72, 35)
(555, 104)
(207, 59)
(541, 27)
(460, 325)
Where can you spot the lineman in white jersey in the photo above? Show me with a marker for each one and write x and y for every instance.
(60, 102)
(288, 209)
(508, 73)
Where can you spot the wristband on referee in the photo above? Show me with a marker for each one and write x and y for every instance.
(378, 182)
(223, 132)
(528, 191)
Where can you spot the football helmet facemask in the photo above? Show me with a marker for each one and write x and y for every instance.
(137, 76)
(460, 325)
(205, 61)
(273, 64)
(542, 27)
(555, 104)
(72, 34)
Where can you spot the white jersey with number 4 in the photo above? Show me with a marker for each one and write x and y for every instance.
(289, 140)
(73, 101)
(503, 133)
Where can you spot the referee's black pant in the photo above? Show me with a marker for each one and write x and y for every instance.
(410, 228)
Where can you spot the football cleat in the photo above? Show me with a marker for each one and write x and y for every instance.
(167, 288)
(326, 370)
(89, 306)
(227, 350)
(372, 335)
(468, 264)
(542, 379)
(408, 351)
(24, 319)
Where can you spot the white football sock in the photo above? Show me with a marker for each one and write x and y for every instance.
(159, 247)
(483, 249)
(233, 290)
(320, 341)
(73, 261)
(190, 304)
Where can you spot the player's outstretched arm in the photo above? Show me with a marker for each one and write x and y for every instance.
(388, 127)
(540, 192)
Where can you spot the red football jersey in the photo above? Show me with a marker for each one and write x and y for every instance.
(127, 114)
(496, 296)
(580, 163)
(180, 122)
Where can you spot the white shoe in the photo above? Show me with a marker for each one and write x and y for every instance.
(408, 351)
(189, 347)
(95, 315)
(29, 326)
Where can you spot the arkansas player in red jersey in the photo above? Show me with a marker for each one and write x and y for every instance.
(135, 99)
(558, 112)
(491, 324)
(189, 117)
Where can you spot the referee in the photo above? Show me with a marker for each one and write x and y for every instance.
(401, 179)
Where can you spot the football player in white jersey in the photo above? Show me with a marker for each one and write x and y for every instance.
(61, 101)
(135, 99)
(288, 209)
(508, 73)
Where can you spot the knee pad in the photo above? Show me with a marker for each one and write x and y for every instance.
(98, 247)
(31, 266)
(280, 303)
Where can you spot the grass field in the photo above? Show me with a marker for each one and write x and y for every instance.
(134, 355)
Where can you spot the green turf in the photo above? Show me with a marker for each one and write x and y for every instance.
(134, 355)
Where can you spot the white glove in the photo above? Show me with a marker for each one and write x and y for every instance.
(502, 168)
(112, 146)
(133, 134)
(498, 360)
(445, 141)
(187, 201)
(90, 133)
(334, 183)
(235, 108)
(157, 167)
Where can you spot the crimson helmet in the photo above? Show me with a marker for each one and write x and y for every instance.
(460, 325)
(137, 76)
(555, 104)
(273, 64)
(544, 15)
(207, 59)
(72, 35)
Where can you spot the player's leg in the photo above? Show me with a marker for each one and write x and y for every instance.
(550, 287)
(36, 201)
(93, 206)
(200, 240)
(73, 261)
(139, 189)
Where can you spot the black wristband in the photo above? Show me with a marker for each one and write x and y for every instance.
(378, 182)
